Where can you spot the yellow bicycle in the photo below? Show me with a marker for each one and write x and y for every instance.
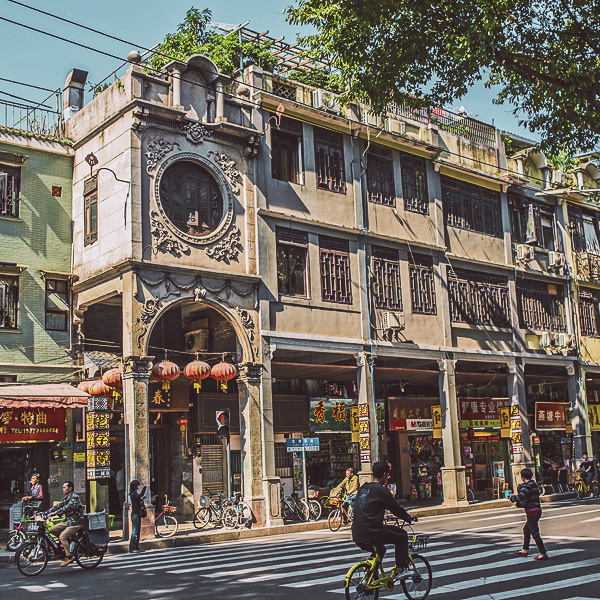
(366, 578)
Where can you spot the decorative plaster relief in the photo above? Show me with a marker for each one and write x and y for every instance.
(228, 248)
(195, 132)
(230, 169)
(164, 241)
(247, 322)
(156, 150)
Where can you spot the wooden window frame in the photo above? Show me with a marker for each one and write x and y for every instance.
(286, 240)
(519, 208)
(9, 302)
(589, 315)
(414, 184)
(55, 311)
(579, 240)
(539, 310)
(336, 278)
(381, 187)
(478, 298)
(286, 145)
(90, 199)
(422, 284)
(329, 161)
(10, 191)
(471, 207)
(386, 280)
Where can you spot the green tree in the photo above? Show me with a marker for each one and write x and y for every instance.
(545, 55)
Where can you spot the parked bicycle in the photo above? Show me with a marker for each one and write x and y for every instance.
(583, 489)
(342, 513)
(365, 579)
(238, 513)
(165, 524)
(88, 548)
(211, 510)
(294, 507)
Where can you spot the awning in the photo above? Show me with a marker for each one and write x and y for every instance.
(60, 395)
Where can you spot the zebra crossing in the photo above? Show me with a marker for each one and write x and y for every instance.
(465, 567)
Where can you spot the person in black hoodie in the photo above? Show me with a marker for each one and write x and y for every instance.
(368, 529)
(528, 498)
(136, 497)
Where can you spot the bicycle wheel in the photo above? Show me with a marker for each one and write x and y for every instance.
(231, 517)
(595, 488)
(286, 511)
(302, 510)
(334, 521)
(245, 515)
(579, 490)
(201, 518)
(16, 538)
(85, 559)
(418, 585)
(31, 558)
(356, 581)
(166, 525)
(315, 510)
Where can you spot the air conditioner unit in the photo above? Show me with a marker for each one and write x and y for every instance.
(393, 320)
(196, 341)
(558, 178)
(525, 253)
(564, 340)
(556, 261)
(325, 101)
(545, 339)
(369, 118)
(394, 126)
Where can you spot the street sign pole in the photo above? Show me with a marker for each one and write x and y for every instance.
(304, 473)
(228, 450)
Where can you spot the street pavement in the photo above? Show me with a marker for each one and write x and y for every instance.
(471, 555)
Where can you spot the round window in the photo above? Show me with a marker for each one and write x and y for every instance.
(191, 198)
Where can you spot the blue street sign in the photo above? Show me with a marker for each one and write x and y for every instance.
(299, 444)
(310, 443)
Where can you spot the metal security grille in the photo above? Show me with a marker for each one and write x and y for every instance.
(329, 161)
(212, 468)
(471, 207)
(10, 187)
(422, 285)
(284, 91)
(414, 184)
(90, 196)
(336, 284)
(292, 249)
(283, 461)
(541, 310)
(386, 287)
(584, 228)
(588, 314)
(478, 299)
(9, 296)
(380, 177)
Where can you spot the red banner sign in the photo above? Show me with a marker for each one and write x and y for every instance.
(32, 424)
(481, 412)
(549, 415)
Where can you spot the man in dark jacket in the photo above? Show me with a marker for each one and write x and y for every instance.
(528, 498)
(587, 469)
(71, 507)
(368, 529)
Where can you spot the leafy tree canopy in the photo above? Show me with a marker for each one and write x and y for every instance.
(545, 55)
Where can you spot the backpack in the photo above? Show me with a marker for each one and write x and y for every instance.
(143, 510)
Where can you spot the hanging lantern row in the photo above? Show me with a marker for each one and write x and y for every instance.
(197, 370)
(114, 380)
(165, 371)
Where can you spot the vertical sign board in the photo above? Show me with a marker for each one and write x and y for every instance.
(97, 438)
(516, 433)
(364, 433)
(301, 445)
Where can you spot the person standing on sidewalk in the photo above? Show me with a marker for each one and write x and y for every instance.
(138, 510)
(528, 498)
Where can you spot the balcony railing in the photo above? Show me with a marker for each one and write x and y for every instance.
(42, 121)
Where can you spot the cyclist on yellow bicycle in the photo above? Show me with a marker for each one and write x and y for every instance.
(368, 529)
(587, 469)
(349, 486)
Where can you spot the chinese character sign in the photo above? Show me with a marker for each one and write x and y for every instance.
(330, 415)
(549, 415)
(594, 416)
(481, 412)
(32, 424)
(97, 426)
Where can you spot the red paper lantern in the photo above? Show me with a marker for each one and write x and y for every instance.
(196, 371)
(99, 388)
(223, 372)
(165, 371)
(113, 378)
(85, 386)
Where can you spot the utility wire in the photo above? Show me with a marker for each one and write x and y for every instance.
(24, 99)
(37, 87)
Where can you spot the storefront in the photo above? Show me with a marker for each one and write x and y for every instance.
(594, 420)
(485, 441)
(554, 453)
(40, 427)
(419, 455)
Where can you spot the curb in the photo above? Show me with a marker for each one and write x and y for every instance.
(197, 538)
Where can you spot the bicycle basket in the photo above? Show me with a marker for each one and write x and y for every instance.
(334, 501)
(33, 526)
(169, 509)
(313, 494)
(418, 542)
(204, 502)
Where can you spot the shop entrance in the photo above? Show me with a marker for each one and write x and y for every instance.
(485, 459)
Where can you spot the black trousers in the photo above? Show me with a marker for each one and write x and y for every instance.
(391, 535)
(532, 530)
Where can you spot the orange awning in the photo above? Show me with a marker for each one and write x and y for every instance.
(59, 395)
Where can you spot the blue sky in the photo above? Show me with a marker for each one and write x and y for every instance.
(33, 58)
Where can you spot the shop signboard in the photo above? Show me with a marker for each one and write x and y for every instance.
(549, 415)
(328, 414)
(364, 433)
(32, 424)
(481, 412)
(505, 421)
(411, 424)
(436, 418)
(594, 416)
(97, 425)
(516, 431)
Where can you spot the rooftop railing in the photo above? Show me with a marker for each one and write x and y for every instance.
(32, 119)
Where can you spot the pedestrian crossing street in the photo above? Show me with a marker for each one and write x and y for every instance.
(464, 567)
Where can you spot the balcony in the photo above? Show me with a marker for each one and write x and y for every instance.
(587, 266)
(31, 119)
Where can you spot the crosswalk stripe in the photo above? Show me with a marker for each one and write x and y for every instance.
(463, 585)
(540, 589)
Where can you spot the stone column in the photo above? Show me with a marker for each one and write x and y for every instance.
(577, 394)
(220, 112)
(136, 372)
(177, 87)
(272, 483)
(453, 472)
(251, 434)
(516, 393)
